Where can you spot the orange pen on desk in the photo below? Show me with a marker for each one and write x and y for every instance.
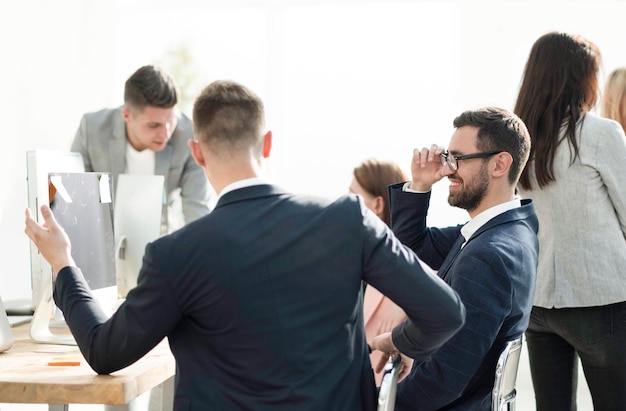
(64, 361)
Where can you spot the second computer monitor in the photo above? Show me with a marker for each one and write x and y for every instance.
(139, 203)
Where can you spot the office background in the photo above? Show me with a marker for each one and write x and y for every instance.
(342, 80)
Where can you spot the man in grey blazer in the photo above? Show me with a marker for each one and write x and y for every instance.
(261, 300)
(147, 135)
(491, 261)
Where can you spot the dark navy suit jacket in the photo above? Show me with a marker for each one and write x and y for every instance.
(494, 273)
(261, 302)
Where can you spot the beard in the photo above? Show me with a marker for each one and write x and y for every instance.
(472, 193)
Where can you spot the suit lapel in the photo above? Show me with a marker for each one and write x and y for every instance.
(452, 256)
(117, 149)
(506, 217)
(162, 161)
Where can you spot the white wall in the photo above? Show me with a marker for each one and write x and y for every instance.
(342, 81)
(56, 63)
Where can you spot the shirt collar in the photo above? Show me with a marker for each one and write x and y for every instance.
(481, 219)
(248, 182)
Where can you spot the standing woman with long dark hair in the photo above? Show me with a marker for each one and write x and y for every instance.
(576, 176)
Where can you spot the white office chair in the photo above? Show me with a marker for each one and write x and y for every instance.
(387, 392)
(504, 393)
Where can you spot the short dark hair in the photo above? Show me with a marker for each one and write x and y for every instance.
(150, 86)
(499, 129)
(228, 115)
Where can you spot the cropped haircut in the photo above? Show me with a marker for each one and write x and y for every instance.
(614, 96)
(227, 115)
(150, 86)
(559, 85)
(499, 130)
(375, 176)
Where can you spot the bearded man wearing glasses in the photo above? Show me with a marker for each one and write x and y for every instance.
(491, 261)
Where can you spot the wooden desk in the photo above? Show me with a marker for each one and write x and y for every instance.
(25, 376)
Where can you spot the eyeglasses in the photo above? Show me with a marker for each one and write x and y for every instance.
(453, 161)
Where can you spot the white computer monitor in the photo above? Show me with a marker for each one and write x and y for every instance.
(39, 163)
(139, 202)
(82, 203)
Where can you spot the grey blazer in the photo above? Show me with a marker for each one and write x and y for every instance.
(101, 140)
(582, 221)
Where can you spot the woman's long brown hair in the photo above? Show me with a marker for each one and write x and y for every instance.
(559, 85)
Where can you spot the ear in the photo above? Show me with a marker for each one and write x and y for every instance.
(502, 164)
(267, 144)
(379, 205)
(196, 153)
(125, 114)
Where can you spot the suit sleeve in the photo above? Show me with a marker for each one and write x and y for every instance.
(79, 144)
(408, 222)
(611, 150)
(149, 313)
(434, 310)
(447, 373)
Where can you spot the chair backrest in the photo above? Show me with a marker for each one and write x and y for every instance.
(503, 394)
(387, 392)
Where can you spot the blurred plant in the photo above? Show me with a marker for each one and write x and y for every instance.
(180, 64)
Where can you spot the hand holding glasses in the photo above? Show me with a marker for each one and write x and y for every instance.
(425, 170)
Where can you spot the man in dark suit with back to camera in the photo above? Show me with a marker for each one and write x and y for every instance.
(491, 261)
(261, 300)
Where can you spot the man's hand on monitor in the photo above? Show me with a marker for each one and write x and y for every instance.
(50, 238)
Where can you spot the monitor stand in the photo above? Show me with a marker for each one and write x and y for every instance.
(40, 324)
(6, 336)
(44, 314)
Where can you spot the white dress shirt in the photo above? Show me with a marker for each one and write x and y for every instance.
(481, 219)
